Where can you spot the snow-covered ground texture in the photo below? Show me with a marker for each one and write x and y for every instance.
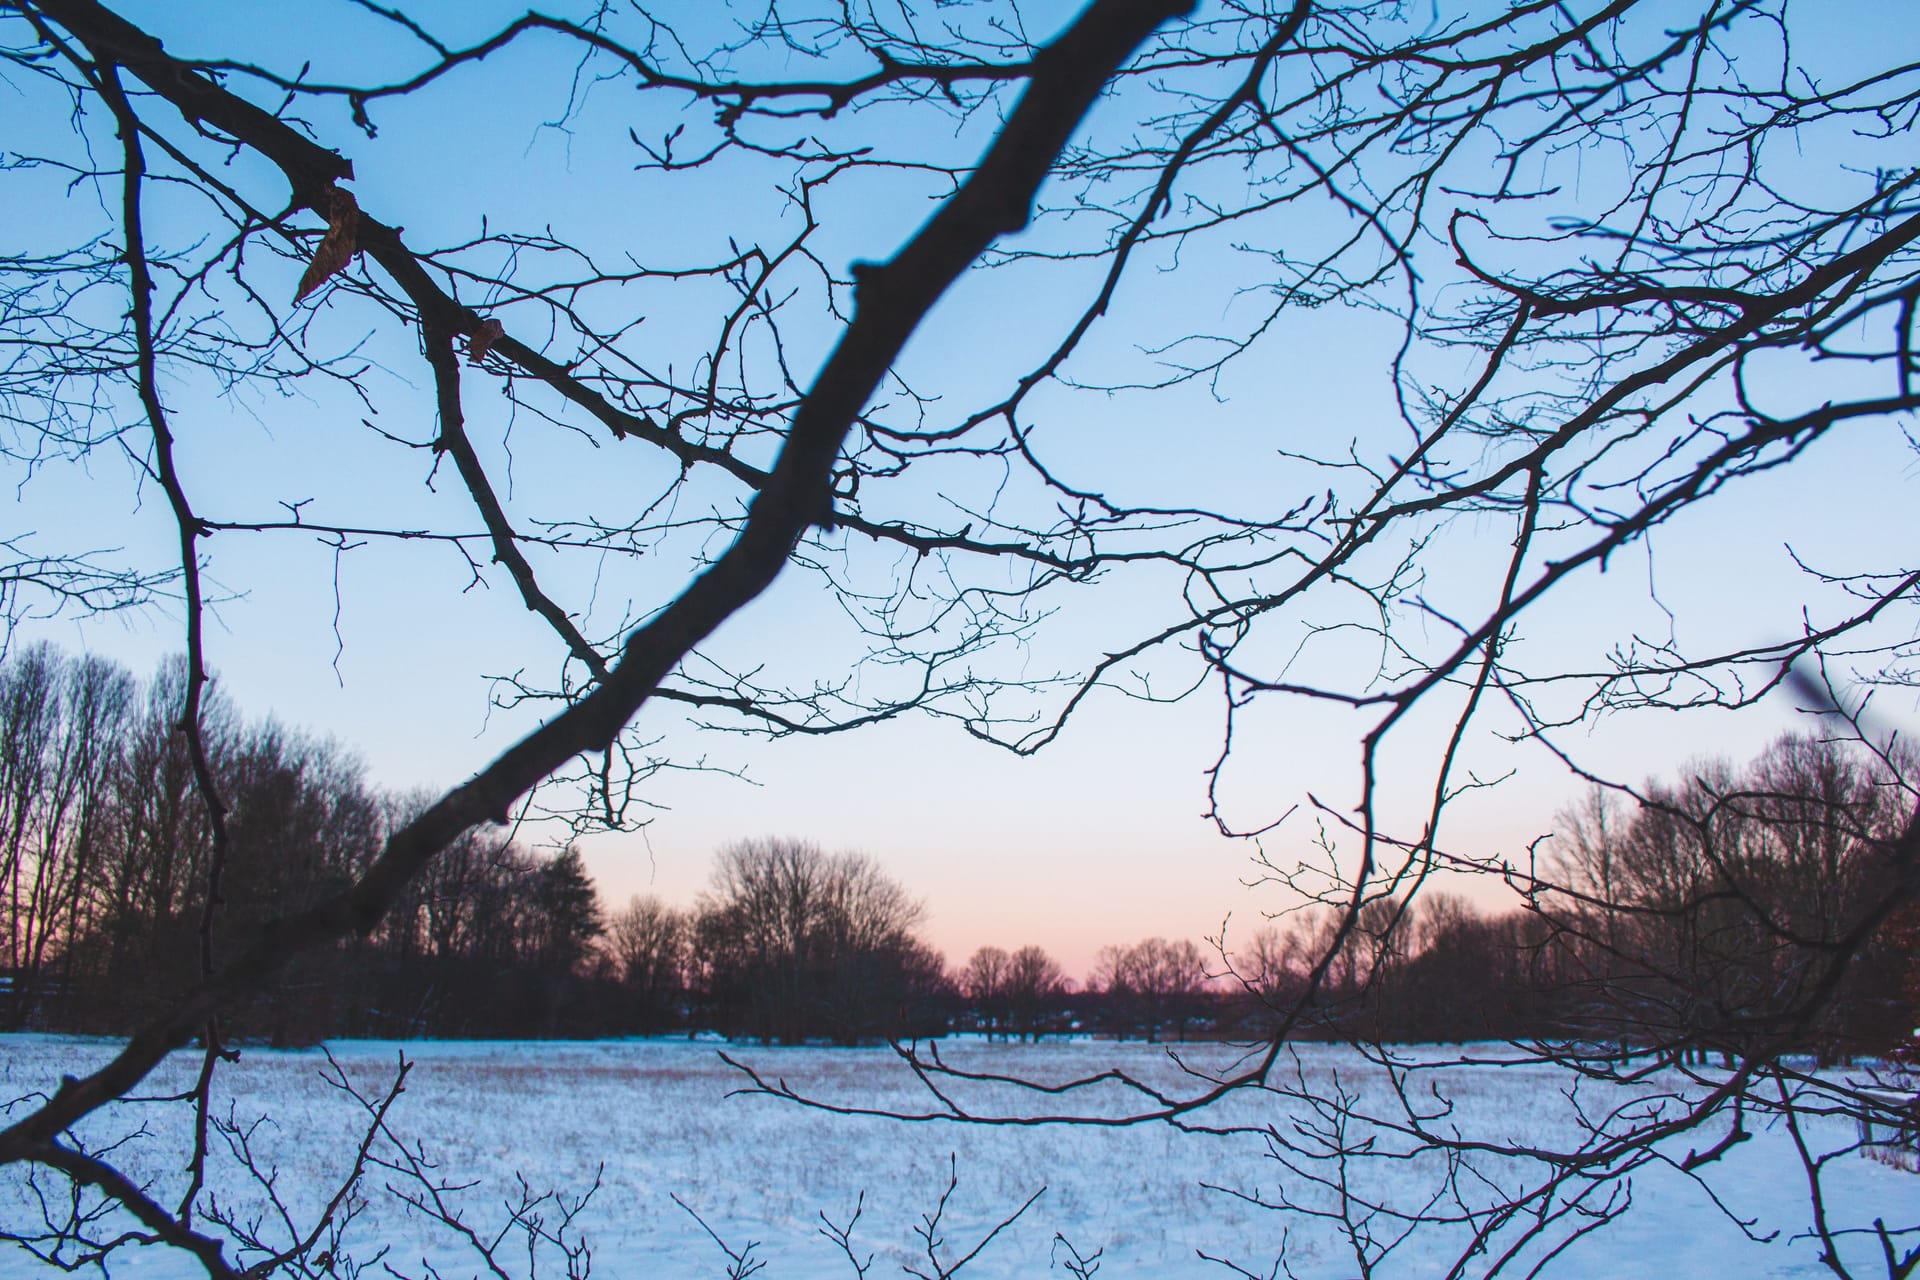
(656, 1120)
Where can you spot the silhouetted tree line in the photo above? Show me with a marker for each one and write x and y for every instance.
(1693, 921)
(1687, 920)
(1022, 995)
(1715, 916)
(107, 857)
(1438, 970)
(792, 944)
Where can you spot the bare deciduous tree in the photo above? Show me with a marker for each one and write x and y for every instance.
(649, 942)
(983, 981)
(1154, 985)
(1013, 996)
(797, 944)
(1704, 914)
(1035, 983)
(63, 724)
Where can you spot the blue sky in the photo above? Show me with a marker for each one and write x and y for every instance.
(1097, 839)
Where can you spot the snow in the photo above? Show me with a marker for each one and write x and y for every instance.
(660, 1119)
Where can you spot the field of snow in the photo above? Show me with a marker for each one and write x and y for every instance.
(660, 1119)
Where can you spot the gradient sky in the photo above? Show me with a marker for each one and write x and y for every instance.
(1100, 837)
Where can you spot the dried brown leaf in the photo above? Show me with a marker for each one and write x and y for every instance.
(336, 247)
(489, 332)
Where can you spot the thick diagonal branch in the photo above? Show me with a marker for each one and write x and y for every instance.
(892, 300)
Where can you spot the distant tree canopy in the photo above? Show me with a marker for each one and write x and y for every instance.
(1705, 918)
(1694, 920)
(1022, 995)
(108, 856)
(1153, 987)
(1697, 917)
(797, 944)
(649, 947)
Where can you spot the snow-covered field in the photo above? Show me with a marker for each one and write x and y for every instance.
(659, 1117)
